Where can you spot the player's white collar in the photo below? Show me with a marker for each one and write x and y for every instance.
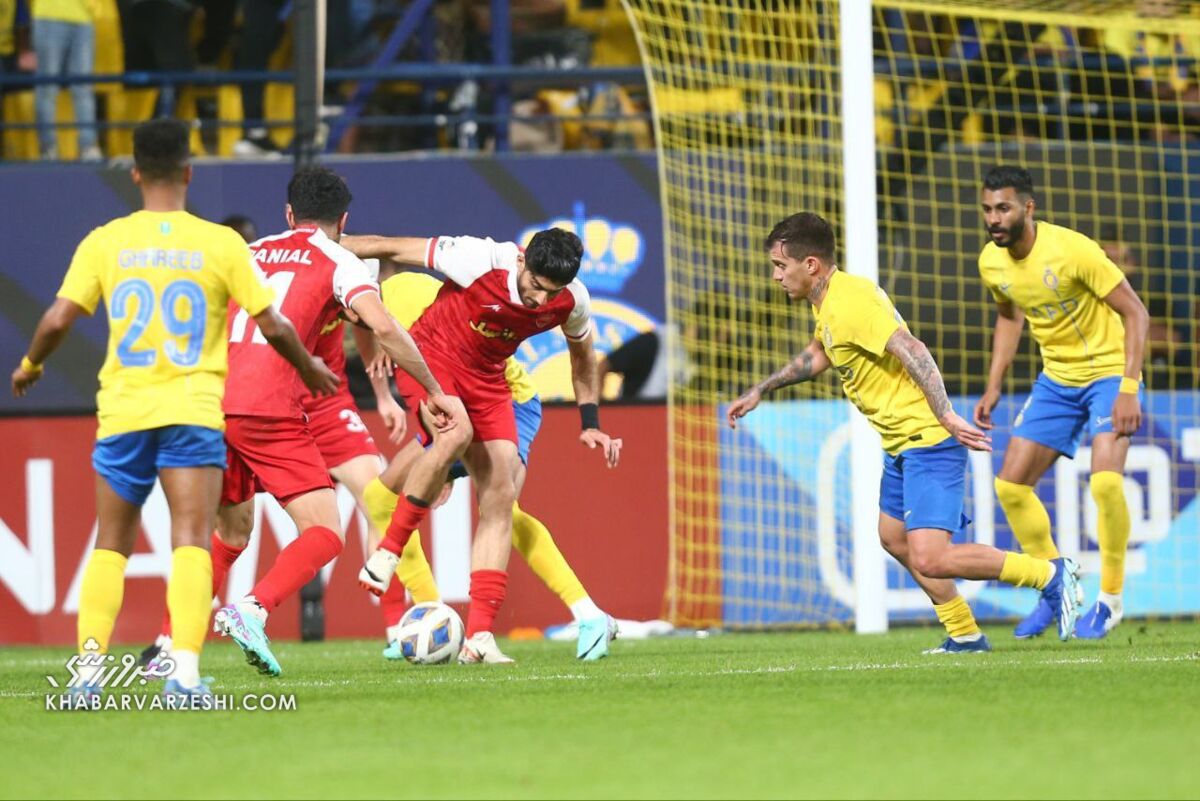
(513, 294)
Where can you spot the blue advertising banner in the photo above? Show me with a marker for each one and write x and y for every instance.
(785, 501)
(611, 201)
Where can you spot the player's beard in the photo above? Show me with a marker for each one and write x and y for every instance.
(1011, 235)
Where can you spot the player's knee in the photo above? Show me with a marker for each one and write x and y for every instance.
(234, 526)
(455, 441)
(929, 564)
(896, 548)
(1010, 494)
(1108, 488)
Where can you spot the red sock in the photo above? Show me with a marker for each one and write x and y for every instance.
(296, 565)
(405, 520)
(487, 594)
(223, 557)
(392, 604)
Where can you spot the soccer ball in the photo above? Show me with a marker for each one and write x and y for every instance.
(430, 633)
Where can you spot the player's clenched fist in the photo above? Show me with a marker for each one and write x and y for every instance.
(447, 410)
(743, 406)
(319, 379)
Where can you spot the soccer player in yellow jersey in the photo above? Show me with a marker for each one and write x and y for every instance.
(1091, 328)
(406, 295)
(166, 278)
(889, 375)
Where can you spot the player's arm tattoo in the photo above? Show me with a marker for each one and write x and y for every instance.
(797, 371)
(919, 364)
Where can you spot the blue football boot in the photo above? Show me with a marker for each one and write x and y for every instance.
(247, 631)
(1036, 621)
(953, 646)
(1064, 595)
(1097, 622)
(595, 634)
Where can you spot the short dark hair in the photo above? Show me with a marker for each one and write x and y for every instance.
(318, 194)
(802, 235)
(160, 150)
(1005, 176)
(243, 225)
(554, 254)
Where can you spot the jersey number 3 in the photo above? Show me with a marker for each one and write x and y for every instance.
(139, 293)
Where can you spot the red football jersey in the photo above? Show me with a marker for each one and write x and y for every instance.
(478, 319)
(331, 348)
(313, 278)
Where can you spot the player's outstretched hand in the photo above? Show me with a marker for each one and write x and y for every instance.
(319, 379)
(966, 433)
(381, 366)
(447, 410)
(983, 409)
(393, 417)
(594, 437)
(1126, 414)
(22, 380)
(743, 406)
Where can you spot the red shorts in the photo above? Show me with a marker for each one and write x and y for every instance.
(271, 454)
(339, 432)
(488, 400)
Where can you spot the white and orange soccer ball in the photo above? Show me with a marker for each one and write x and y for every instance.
(430, 633)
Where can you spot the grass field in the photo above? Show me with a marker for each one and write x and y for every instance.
(802, 715)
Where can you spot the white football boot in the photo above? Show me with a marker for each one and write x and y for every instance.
(482, 649)
(377, 573)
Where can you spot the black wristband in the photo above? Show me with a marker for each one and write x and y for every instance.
(589, 415)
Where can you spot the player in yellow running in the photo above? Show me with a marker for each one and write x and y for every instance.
(166, 278)
(1091, 328)
(890, 376)
(406, 296)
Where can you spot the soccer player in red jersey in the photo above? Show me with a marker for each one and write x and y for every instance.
(270, 445)
(496, 298)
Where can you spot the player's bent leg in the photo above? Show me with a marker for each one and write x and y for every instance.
(244, 622)
(1107, 485)
(193, 494)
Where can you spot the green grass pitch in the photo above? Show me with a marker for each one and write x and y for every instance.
(822, 714)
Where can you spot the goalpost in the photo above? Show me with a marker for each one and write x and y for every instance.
(883, 118)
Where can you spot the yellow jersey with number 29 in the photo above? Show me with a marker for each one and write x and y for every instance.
(167, 279)
(1061, 286)
(854, 324)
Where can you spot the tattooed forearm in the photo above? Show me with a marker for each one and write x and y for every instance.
(917, 360)
(798, 370)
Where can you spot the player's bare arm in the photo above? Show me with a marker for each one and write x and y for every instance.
(51, 330)
(919, 364)
(1010, 322)
(389, 410)
(811, 362)
(585, 380)
(282, 336)
(403, 249)
(396, 342)
(1127, 410)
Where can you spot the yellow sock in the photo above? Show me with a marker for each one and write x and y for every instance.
(381, 503)
(100, 595)
(415, 573)
(189, 597)
(956, 616)
(533, 541)
(1027, 517)
(1112, 522)
(1023, 570)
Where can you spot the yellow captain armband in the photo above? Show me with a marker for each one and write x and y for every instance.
(29, 367)
(1129, 386)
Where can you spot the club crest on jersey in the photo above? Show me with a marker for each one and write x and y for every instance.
(485, 330)
(1050, 279)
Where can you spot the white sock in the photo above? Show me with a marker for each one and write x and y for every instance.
(187, 668)
(250, 606)
(163, 641)
(87, 673)
(585, 609)
(1113, 602)
(968, 637)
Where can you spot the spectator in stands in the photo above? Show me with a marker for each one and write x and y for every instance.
(64, 40)
(642, 362)
(157, 38)
(262, 27)
(16, 55)
(243, 225)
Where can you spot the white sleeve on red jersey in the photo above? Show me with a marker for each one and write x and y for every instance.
(351, 277)
(463, 259)
(579, 323)
(373, 268)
